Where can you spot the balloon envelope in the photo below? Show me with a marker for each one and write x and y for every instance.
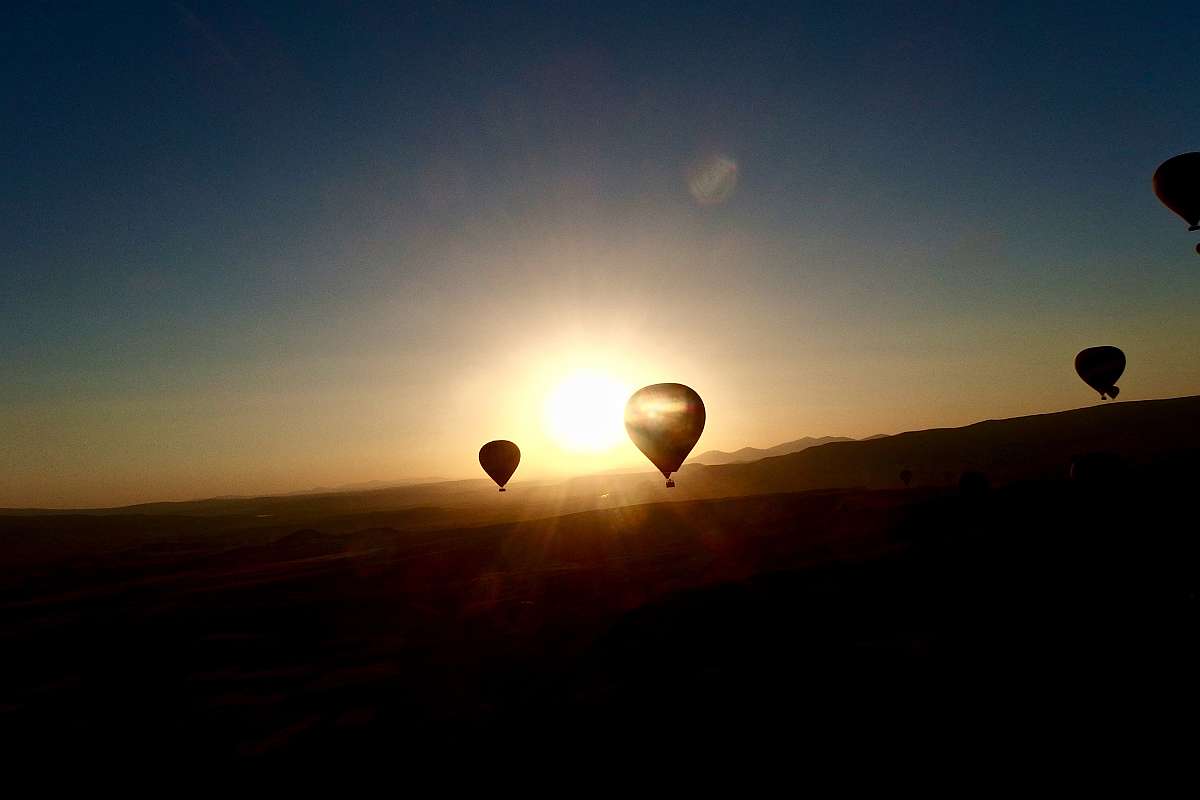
(1177, 185)
(1100, 368)
(665, 421)
(499, 460)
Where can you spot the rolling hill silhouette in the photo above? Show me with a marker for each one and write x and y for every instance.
(847, 610)
(1021, 448)
(718, 457)
(352, 623)
(1039, 447)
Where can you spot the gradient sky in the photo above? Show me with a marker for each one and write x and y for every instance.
(259, 247)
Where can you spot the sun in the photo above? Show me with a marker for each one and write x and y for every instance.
(585, 413)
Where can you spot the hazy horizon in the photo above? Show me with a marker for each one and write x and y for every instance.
(635, 464)
(249, 251)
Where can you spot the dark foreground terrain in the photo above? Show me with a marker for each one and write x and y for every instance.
(1049, 609)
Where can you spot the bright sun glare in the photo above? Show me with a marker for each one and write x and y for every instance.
(586, 412)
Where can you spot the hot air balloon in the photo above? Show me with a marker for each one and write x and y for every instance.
(665, 421)
(1177, 185)
(499, 460)
(906, 476)
(1100, 367)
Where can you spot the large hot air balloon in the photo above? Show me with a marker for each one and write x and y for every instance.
(499, 460)
(1100, 367)
(664, 421)
(1177, 184)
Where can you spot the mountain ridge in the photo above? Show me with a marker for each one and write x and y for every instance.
(718, 457)
(1016, 448)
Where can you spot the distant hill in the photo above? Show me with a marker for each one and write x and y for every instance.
(717, 457)
(1022, 448)
(364, 486)
(1037, 447)
(377, 636)
(358, 624)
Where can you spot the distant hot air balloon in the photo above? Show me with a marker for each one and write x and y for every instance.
(906, 476)
(499, 460)
(1177, 185)
(1100, 367)
(665, 421)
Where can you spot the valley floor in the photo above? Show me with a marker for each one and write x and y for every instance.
(803, 615)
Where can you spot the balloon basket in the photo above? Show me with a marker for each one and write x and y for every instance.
(503, 489)
(670, 484)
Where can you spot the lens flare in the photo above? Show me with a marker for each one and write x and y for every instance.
(713, 179)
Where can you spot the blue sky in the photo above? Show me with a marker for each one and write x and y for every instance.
(253, 247)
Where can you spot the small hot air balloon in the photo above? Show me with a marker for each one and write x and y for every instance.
(1100, 367)
(665, 421)
(1177, 185)
(499, 460)
(906, 476)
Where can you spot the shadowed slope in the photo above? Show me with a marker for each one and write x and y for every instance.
(856, 609)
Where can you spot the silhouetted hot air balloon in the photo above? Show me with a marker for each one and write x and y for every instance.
(665, 421)
(1177, 185)
(906, 476)
(1100, 367)
(499, 460)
